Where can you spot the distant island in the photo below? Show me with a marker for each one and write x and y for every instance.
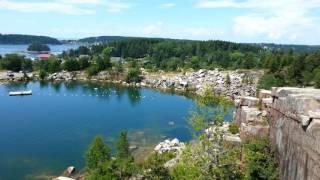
(111, 39)
(36, 46)
(26, 39)
(103, 39)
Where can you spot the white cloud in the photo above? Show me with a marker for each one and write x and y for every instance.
(51, 6)
(203, 33)
(273, 19)
(117, 6)
(270, 4)
(80, 1)
(153, 29)
(168, 5)
(74, 7)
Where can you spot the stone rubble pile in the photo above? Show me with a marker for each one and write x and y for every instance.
(61, 76)
(224, 130)
(15, 76)
(197, 81)
(169, 146)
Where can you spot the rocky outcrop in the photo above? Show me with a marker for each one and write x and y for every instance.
(62, 178)
(15, 76)
(227, 136)
(251, 118)
(61, 76)
(294, 118)
(169, 146)
(293, 125)
(174, 146)
(229, 83)
(69, 171)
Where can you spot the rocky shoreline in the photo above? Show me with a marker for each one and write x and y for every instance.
(233, 84)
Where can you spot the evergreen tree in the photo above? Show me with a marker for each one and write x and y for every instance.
(123, 146)
(97, 154)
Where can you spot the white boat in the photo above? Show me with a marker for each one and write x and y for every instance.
(20, 93)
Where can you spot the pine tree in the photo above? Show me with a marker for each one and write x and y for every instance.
(123, 146)
(97, 154)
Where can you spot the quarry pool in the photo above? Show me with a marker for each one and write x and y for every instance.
(45, 133)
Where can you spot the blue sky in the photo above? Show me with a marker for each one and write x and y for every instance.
(277, 21)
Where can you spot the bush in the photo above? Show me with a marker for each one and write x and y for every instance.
(16, 63)
(317, 80)
(155, 165)
(234, 128)
(93, 70)
(260, 162)
(133, 75)
(50, 65)
(43, 74)
(71, 65)
(268, 81)
(83, 63)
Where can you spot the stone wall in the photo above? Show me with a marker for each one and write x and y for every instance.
(293, 116)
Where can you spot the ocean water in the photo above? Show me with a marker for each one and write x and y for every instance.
(22, 49)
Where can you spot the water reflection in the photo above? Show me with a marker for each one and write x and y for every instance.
(16, 85)
(56, 87)
(134, 95)
(43, 84)
(102, 91)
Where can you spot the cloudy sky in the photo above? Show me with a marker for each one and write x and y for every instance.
(278, 21)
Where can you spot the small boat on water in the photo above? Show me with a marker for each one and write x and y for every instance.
(20, 93)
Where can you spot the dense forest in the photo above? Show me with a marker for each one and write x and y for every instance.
(26, 39)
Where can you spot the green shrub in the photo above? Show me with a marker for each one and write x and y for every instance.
(93, 70)
(155, 164)
(234, 128)
(15, 63)
(268, 81)
(133, 75)
(260, 162)
(43, 74)
(71, 65)
(317, 80)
